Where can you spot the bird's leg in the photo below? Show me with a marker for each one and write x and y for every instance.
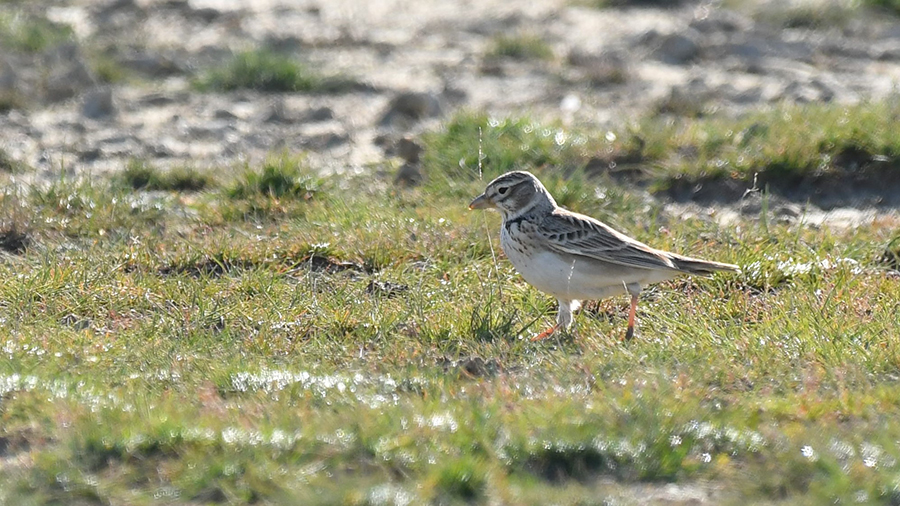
(545, 334)
(634, 289)
(630, 332)
(563, 318)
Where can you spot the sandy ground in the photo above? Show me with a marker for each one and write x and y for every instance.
(609, 66)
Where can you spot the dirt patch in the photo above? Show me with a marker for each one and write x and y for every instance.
(220, 266)
(417, 63)
(15, 241)
(330, 265)
(385, 288)
(206, 267)
(876, 184)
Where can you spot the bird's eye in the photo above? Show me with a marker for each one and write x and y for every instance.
(502, 191)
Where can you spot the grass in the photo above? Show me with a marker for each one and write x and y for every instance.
(520, 47)
(808, 14)
(141, 175)
(789, 141)
(782, 146)
(279, 177)
(813, 14)
(177, 349)
(265, 70)
(892, 6)
(31, 33)
(107, 69)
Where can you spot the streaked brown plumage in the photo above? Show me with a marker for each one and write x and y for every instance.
(572, 256)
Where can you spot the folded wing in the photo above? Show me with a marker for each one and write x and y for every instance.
(580, 235)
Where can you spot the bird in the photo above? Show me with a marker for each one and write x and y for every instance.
(574, 257)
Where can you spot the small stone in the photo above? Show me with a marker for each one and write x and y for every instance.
(8, 76)
(325, 140)
(98, 104)
(153, 65)
(89, 154)
(69, 73)
(224, 114)
(608, 67)
(408, 149)
(719, 20)
(115, 5)
(410, 107)
(207, 14)
(410, 174)
(318, 114)
(676, 48)
(155, 100)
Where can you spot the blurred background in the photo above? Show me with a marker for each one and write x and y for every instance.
(87, 85)
(236, 263)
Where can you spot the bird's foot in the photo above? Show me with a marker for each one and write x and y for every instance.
(629, 334)
(545, 334)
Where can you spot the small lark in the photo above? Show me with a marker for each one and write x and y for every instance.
(572, 256)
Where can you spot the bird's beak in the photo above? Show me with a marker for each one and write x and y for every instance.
(481, 202)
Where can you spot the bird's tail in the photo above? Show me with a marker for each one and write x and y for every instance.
(697, 266)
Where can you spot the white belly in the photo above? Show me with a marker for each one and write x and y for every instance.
(574, 278)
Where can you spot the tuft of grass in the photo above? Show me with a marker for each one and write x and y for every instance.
(520, 47)
(462, 480)
(86, 208)
(141, 175)
(815, 142)
(31, 34)
(489, 323)
(506, 144)
(108, 69)
(891, 255)
(790, 141)
(279, 177)
(265, 70)
(892, 6)
(807, 13)
(281, 186)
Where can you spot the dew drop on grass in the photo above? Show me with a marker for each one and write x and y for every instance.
(808, 452)
(389, 494)
(560, 138)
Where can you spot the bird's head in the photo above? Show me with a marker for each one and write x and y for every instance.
(513, 193)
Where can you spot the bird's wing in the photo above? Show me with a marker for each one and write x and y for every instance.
(580, 235)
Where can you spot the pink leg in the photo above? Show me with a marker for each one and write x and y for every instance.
(545, 334)
(630, 332)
